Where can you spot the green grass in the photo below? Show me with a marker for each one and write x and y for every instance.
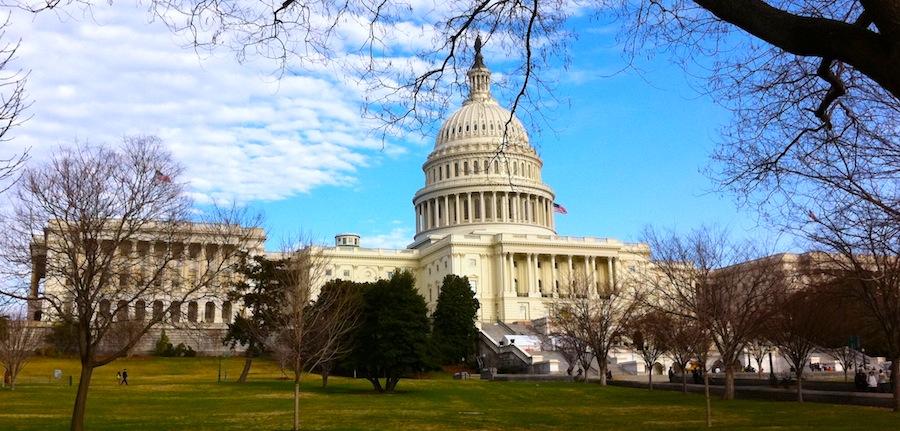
(183, 394)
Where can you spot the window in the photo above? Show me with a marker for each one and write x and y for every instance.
(209, 315)
(104, 308)
(122, 310)
(473, 262)
(158, 310)
(175, 312)
(226, 312)
(328, 272)
(346, 273)
(140, 310)
(192, 311)
(474, 285)
(390, 274)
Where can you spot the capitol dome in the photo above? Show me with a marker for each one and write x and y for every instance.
(485, 122)
(481, 118)
(483, 175)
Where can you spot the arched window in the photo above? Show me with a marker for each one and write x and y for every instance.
(122, 311)
(226, 312)
(104, 309)
(175, 312)
(140, 310)
(158, 310)
(192, 311)
(209, 315)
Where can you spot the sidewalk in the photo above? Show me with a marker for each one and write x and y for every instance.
(765, 392)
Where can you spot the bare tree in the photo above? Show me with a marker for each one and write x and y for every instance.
(704, 277)
(314, 327)
(651, 338)
(686, 340)
(567, 329)
(13, 103)
(19, 340)
(863, 260)
(758, 348)
(302, 274)
(110, 231)
(794, 328)
(596, 315)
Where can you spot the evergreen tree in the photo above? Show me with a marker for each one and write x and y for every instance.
(260, 292)
(392, 338)
(454, 320)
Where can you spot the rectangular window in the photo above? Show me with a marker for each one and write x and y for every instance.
(346, 273)
(473, 262)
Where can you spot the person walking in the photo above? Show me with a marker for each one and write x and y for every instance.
(872, 381)
(124, 377)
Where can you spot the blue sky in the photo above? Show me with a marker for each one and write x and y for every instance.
(623, 150)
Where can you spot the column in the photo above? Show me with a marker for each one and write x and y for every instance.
(512, 274)
(446, 210)
(418, 217)
(609, 265)
(553, 289)
(481, 209)
(530, 282)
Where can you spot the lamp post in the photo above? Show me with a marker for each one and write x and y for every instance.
(772, 378)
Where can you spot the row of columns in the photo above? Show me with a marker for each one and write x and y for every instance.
(532, 286)
(499, 207)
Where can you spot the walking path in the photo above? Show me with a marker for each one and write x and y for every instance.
(765, 392)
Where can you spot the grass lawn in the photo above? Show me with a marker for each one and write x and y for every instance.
(184, 394)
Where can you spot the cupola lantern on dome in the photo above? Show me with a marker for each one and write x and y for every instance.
(479, 78)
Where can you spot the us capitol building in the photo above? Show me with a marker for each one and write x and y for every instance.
(485, 213)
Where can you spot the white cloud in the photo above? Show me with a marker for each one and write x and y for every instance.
(240, 133)
(397, 238)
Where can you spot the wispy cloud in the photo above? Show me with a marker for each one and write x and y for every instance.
(241, 133)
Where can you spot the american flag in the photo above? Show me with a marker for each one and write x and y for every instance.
(162, 177)
(559, 208)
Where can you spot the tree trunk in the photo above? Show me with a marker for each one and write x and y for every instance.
(683, 380)
(729, 383)
(799, 376)
(296, 403)
(13, 373)
(650, 377)
(247, 363)
(326, 370)
(708, 403)
(84, 383)
(376, 384)
(391, 383)
(602, 366)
